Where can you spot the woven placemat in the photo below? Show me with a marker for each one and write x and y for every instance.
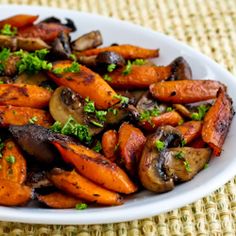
(207, 25)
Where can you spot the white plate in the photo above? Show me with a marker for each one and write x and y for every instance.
(145, 204)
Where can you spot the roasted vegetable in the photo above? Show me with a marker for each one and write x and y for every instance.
(86, 83)
(96, 167)
(90, 40)
(217, 122)
(126, 51)
(24, 95)
(13, 194)
(185, 91)
(59, 200)
(39, 79)
(80, 187)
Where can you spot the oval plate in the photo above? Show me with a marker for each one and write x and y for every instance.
(144, 204)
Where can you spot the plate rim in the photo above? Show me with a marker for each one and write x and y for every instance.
(12, 213)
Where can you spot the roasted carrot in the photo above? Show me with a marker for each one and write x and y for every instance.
(80, 187)
(185, 91)
(13, 194)
(96, 167)
(11, 115)
(12, 163)
(109, 144)
(131, 142)
(139, 76)
(24, 95)
(86, 83)
(169, 118)
(217, 122)
(59, 200)
(197, 143)
(19, 20)
(190, 130)
(46, 31)
(126, 50)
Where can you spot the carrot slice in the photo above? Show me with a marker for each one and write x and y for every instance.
(96, 167)
(169, 118)
(109, 144)
(131, 142)
(19, 21)
(185, 91)
(190, 130)
(217, 122)
(126, 50)
(12, 163)
(24, 95)
(139, 77)
(86, 83)
(10, 115)
(80, 187)
(59, 200)
(13, 194)
(197, 143)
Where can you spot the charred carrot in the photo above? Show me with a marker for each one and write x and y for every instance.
(185, 91)
(80, 187)
(197, 143)
(96, 167)
(10, 115)
(217, 122)
(126, 50)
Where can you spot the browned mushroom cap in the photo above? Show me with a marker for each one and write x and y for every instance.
(87, 41)
(180, 69)
(151, 168)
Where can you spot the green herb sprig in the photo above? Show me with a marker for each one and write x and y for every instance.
(8, 30)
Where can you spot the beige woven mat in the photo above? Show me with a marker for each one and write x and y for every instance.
(207, 25)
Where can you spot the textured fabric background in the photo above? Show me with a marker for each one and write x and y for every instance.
(207, 25)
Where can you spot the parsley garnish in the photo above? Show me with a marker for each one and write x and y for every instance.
(179, 155)
(11, 159)
(81, 206)
(160, 145)
(202, 110)
(96, 123)
(183, 143)
(111, 67)
(97, 147)
(73, 57)
(187, 166)
(139, 62)
(71, 127)
(180, 122)
(168, 109)
(1, 147)
(107, 78)
(128, 68)
(33, 62)
(206, 166)
(123, 100)
(4, 55)
(1, 82)
(146, 115)
(89, 106)
(113, 110)
(33, 119)
(74, 68)
(8, 30)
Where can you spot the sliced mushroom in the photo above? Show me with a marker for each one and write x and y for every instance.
(89, 61)
(151, 169)
(87, 41)
(65, 103)
(182, 164)
(134, 96)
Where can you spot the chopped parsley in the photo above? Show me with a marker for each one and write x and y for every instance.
(181, 122)
(1, 82)
(202, 110)
(168, 109)
(111, 67)
(71, 127)
(160, 145)
(73, 57)
(33, 119)
(128, 68)
(97, 147)
(187, 166)
(33, 62)
(206, 166)
(96, 123)
(1, 147)
(10, 159)
(107, 78)
(114, 111)
(81, 206)
(8, 30)
(4, 55)
(147, 114)
(139, 62)
(89, 106)
(123, 100)
(183, 143)
(179, 155)
(73, 68)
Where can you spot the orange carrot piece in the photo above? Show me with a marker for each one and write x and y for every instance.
(80, 187)
(24, 95)
(59, 200)
(190, 130)
(109, 144)
(185, 91)
(197, 143)
(131, 142)
(12, 162)
(96, 167)
(126, 50)
(217, 121)
(139, 77)
(19, 20)
(10, 115)
(13, 194)
(169, 118)
(87, 84)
